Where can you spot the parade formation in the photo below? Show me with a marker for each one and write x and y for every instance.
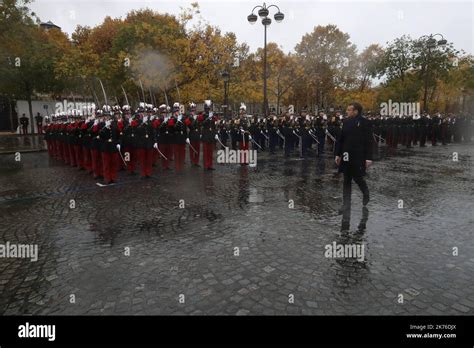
(116, 138)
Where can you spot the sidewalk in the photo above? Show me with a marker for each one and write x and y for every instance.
(11, 143)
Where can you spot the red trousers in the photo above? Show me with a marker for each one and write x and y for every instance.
(165, 150)
(145, 156)
(96, 161)
(208, 151)
(130, 154)
(86, 159)
(179, 152)
(78, 155)
(110, 165)
(244, 158)
(194, 156)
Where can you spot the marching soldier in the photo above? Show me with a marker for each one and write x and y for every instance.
(424, 127)
(121, 123)
(146, 143)
(243, 134)
(179, 137)
(76, 134)
(444, 130)
(306, 138)
(156, 121)
(272, 127)
(234, 134)
(164, 138)
(222, 131)
(70, 140)
(286, 130)
(435, 129)
(129, 144)
(86, 137)
(194, 135)
(109, 148)
(320, 131)
(416, 129)
(96, 159)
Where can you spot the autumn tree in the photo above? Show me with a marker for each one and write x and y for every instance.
(329, 60)
(28, 53)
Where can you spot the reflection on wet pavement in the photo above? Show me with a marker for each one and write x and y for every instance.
(279, 215)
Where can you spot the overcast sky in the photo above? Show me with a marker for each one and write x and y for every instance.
(367, 22)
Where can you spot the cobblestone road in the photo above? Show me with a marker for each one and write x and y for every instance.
(190, 251)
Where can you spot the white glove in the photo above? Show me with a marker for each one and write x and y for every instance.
(187, 141)
(96, 122)
(108, 123)
(145, 119)
(155, 145)
(118, 147)
(216, 137)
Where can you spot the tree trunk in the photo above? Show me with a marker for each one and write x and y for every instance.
(10, 112)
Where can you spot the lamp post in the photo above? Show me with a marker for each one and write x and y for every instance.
(263, 12)
(226, 78)
(430, 42)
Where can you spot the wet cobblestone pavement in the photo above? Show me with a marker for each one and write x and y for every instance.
(190, 251)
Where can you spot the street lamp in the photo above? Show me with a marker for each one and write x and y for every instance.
(263, 12)
(226, 78)
(431, 43)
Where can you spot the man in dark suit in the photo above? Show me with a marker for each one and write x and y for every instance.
(354, 154)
